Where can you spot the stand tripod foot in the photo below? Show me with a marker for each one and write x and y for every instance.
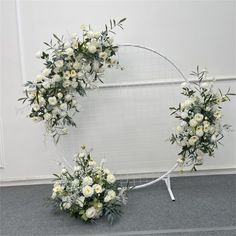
(168, 185)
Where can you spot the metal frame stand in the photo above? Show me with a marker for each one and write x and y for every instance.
(168, 185)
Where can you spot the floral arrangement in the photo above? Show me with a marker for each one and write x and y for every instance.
(69, 68)
(89, 191)
(200, 129)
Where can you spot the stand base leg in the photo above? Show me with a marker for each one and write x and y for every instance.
(168, 185)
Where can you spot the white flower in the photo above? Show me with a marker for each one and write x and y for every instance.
(184, 115)
(198, 117)
(91, 212)
(68, 97)
(217, 115)
(84, 27)
(180, 161)
(111, 179)
(193, 123)
(60, 95)
(107, 198)
(82, 155)
(92, 163)
(77, 168)
(66, 83)
(39, 54)
(66, 205)
(36, 118)
(97, 188)
(87, 68)
(69, 51)
(87, 191)
(208, 108)
(90, 34)
(47, 116)
(92, 48)
(46, 84)
(74, 84)
(96, 35)
(111, 193)
(199, 133)
(213, 138)
(57, 78)
(80, 201)
(76, 65)
(39, 78)
(179, 129)
(204, 85)
(63, 171)
(193, 140)
(59, 63)
(73, 73)
(57, 188)
(36, 107)
(103, 55)
(52, 101)
(63, 106)
(183, 123)
(87, 181)
(107, 171)
(46, 72)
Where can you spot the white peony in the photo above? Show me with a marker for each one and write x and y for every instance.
(193, 123)
(36, 107)
(97, 188)
(87, 191)
(52, 101)
(87, 181)
(193, 140)
(111, 179)
(66, 83)
(198, 117)
(59, 63)
(91, 212)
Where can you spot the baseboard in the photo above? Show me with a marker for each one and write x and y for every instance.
(36, 180)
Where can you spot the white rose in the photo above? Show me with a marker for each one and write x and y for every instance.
(87, 181)
(198, 117)
(66, 205)
(92, 49)
(80, 201)
(199, 133)
(193, 140)
(90, 34)
(111, 179)
(46, 84)
(63, 171)
(57, 78)
(87, 191)
(193, 123)
(184, 115)
(63, 106)
(52, 101)
(39, 78)
(91, 212)
(111, 193)
(179, 129)
(107, 198)
(69, 51)
(97, 188)
(59, 63)
(60, 95)
(36, 107)
(47, 116)
(68, 97)
(46, 72)
(103, 55)
(76, 65)
(39, 54)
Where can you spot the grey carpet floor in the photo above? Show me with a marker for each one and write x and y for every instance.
(205, 205)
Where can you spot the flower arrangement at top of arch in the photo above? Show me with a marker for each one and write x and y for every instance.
(200, 129)
(70, 68)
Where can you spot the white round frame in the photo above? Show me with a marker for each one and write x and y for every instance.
(166, 176)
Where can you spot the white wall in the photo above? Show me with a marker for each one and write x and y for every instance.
(188, 32)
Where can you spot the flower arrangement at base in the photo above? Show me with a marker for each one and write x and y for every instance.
(69, 68)
(200, 130)
(89, 191)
